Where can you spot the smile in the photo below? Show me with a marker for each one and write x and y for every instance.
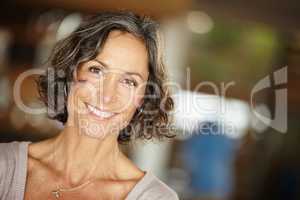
(100, 113)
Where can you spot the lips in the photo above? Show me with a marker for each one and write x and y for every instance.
(100, 113)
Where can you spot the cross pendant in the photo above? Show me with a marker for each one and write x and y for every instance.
(56, 194)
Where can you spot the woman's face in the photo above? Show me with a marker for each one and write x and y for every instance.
(108, 90)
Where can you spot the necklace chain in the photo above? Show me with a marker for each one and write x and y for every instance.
(57, 193)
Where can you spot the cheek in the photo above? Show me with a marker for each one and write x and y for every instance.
(138, 100)
(79, 94)
(137, 97)
(134, 101)
(132, 107)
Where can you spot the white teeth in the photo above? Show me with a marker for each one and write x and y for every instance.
(99, 113)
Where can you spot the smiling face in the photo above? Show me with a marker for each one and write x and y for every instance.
(108, 89)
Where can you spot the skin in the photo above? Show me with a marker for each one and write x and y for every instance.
(82, 152)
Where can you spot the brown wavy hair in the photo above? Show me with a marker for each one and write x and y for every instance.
(151, 120)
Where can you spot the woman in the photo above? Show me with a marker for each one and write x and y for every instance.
(106, 85)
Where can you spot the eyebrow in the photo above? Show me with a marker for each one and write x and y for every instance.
(129, 73)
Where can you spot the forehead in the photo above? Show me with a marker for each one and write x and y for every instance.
(126, 52)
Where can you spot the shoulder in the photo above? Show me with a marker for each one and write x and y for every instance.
(8, 154)
(7, 166)
(152, 188)
(12, 157)
(12, 150)
(157, 189)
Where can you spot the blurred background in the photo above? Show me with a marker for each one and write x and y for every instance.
(235, 69)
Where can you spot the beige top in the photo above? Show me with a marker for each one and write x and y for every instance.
(13, 171)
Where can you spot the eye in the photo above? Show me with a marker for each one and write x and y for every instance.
(95, 70)
(129, 82)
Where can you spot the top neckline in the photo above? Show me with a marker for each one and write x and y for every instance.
(131, 195)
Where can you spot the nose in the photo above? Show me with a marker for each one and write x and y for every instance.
(108, 89)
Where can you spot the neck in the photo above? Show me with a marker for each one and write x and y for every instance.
(79, 158)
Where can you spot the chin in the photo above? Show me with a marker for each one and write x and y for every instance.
(91, 126)
(94, 135)
(98, 123)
